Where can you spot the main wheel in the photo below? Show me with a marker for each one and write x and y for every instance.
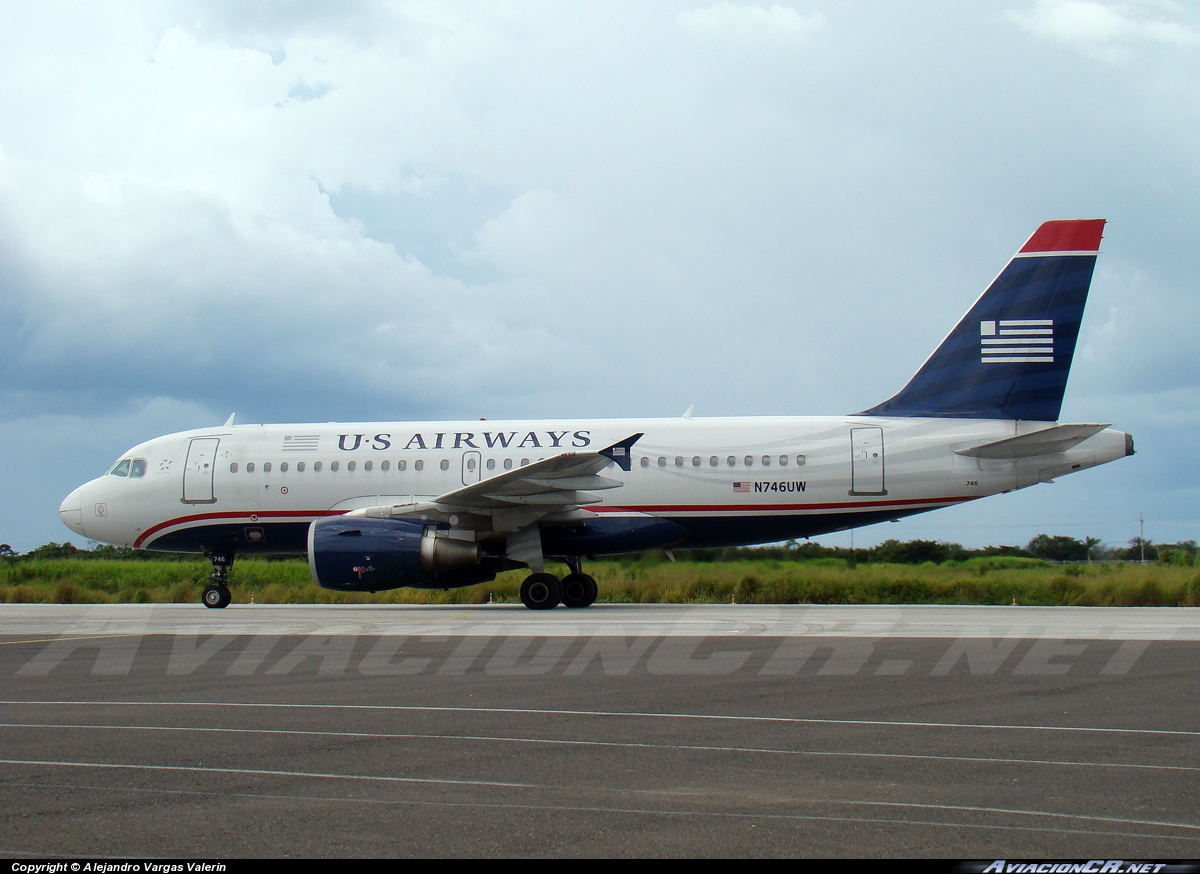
(541, 592)
(216, 597)
(579, 590)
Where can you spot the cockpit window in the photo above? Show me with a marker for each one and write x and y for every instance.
(121, 468)
(138, 467)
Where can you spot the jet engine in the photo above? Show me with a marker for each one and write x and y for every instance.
(361, 554)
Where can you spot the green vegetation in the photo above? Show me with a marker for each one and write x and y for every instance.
(916, 572)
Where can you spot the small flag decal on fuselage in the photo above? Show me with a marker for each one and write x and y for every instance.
(1017, 341)
(741, 487)
(302, 443)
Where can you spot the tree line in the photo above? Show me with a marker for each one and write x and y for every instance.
(1057, 548)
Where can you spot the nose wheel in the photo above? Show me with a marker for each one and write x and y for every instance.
(217, 595)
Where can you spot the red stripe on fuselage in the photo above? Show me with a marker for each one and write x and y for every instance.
(208, 517)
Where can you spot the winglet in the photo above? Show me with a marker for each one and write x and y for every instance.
(619, 452)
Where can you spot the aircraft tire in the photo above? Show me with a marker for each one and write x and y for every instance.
(216, 597)
(541, 592)
(579, 590)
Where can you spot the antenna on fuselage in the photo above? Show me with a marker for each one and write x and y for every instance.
(229, 421)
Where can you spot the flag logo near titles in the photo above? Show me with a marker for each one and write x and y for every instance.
(741, 487)
(1017, 341)
(302, 443)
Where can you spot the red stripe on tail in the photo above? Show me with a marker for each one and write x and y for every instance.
(1075, 235)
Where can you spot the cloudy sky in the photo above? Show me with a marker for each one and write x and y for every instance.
(309, 211)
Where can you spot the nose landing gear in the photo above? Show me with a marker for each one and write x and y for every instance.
(216, 595)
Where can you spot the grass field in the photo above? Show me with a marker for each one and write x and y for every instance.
(996, 580)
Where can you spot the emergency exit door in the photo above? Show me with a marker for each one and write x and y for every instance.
(866, 461)
(471, 468)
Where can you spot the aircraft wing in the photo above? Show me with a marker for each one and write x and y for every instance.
(554, 487)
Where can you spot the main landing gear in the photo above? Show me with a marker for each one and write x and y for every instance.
(216, 594)
(544, 591)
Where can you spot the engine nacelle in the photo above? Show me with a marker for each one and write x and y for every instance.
(361, 554)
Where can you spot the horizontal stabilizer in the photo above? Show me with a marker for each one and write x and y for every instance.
(1048, 441)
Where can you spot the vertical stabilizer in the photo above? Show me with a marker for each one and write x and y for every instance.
(1010, 355)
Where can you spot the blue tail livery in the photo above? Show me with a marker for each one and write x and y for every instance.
(1010, 355)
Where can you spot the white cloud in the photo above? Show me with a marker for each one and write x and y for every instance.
(751, 24)
(526, 234)
(1105, 30)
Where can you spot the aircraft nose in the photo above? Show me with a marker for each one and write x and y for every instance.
(71, 511)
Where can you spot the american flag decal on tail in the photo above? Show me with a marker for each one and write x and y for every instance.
(1017, 341)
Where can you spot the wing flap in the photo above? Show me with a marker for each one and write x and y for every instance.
(548, 499)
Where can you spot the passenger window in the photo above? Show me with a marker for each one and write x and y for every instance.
(445, 465)
(419, 464)
(766, 461)
(662, 462)
(695, 461)
(333, 466)
(749, 461)
(233, 467)
(712, 462)
(645, 461)
(384, 465)
(283, 467)
(524, 462)
(470, 464)
(350, 465)
(679, 461)
(366, 465)
(731, 461)
(138, 468)
(491, 464)
(800, 461)
(250, 467)
(267, 467)
(508, 464)
(299, 467)
(402, 465)
(783, 461)
(317, 467)
(122, 468)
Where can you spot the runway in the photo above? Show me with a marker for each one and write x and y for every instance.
(618, 731)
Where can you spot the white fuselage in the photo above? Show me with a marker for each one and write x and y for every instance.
(727, 481)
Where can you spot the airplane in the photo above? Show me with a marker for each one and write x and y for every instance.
(442, 505)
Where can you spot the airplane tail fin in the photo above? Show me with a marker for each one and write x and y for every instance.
(1010, 355)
